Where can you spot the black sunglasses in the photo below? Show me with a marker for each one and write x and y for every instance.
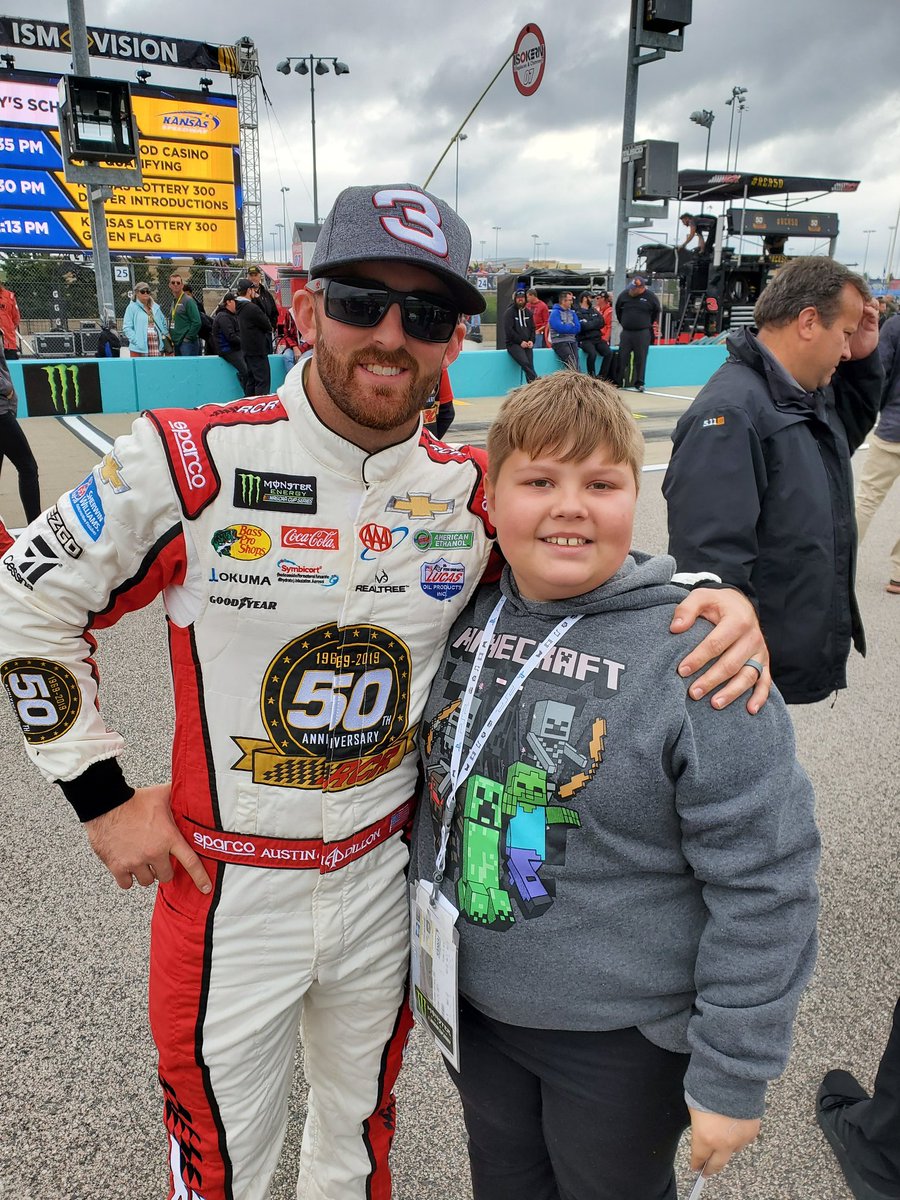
(363, 303)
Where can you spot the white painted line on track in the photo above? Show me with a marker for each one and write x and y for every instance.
(88, 434)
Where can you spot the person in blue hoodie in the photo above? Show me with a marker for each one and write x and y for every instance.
(633, 874)
(564, 329)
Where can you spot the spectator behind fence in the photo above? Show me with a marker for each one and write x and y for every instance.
(256, 336)
(564, 329)
(590, 338)
(226, 339)
(541, 314)
(184, 319)
(144, 327)
(882, 464)
(10, 320)
(759, 486)
(288, 342)
(109, 342)
(205, 319)
(518, 328)
(14, 446)
(263, 299)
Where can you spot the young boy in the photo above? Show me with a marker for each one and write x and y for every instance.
(634, 872)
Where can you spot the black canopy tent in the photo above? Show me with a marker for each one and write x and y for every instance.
(734, 185)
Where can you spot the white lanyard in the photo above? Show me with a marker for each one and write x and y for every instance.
(459, 770)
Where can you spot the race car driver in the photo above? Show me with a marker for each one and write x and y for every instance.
(312, 549)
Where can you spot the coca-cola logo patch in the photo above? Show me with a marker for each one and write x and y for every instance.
(441, 580)
(299, 537)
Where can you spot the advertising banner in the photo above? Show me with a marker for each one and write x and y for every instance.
(29, 34)
(190, 199)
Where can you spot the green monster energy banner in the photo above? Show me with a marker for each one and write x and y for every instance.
(62, 389)
(28, 34)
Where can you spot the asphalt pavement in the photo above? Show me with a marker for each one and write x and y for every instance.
(81, 1118)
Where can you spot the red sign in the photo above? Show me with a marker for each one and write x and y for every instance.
(529, 59)
(302, 538)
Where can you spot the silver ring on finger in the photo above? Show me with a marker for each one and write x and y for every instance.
(752, 662)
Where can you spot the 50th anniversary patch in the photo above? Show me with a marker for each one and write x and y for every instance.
(335, 706)
(44, 696)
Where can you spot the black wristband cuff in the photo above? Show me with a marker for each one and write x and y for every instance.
(100, 788)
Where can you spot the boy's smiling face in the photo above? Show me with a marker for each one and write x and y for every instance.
(564, 527)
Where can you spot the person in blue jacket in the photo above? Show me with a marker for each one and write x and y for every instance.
(564, 327)
(144, 326)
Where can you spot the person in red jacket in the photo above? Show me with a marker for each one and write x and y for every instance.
(541, 314)
(438, 413)
(9, 321)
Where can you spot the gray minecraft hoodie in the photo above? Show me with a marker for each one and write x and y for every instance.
(623, 855)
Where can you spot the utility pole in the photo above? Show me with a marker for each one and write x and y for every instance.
(98, 194)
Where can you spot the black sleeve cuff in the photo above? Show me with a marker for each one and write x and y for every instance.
(100, 788)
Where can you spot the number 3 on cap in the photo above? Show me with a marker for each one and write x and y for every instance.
(421, 221)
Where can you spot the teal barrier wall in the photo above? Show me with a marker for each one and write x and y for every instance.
(113, 385)
(493, 372)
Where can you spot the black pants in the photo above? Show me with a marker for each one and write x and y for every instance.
(260, 373)
(236, 359)
(636, 342)
(524, 356)
(568, 352)
(874, 1125)
(568, 1115)
(597, 350)
(14, 446)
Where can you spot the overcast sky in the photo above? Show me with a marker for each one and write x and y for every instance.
(823, 100)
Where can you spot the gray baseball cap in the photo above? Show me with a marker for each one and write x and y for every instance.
(398, 222)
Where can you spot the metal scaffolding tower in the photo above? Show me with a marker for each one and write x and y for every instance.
(245, 74)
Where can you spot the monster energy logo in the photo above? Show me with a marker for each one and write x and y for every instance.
(58, 377)
(250, 485)
(281, 491)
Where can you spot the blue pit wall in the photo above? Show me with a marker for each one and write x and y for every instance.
(136, 384)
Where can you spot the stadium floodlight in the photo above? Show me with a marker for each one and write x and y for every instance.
(341, 68)
(284, 66)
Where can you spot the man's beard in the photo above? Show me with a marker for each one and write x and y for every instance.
(361, 404)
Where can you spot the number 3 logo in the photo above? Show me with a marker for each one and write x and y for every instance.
(421, 221)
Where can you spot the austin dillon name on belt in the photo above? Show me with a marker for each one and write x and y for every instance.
(334, 703)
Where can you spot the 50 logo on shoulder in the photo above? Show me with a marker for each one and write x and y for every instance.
(335, 706)
(44, 696)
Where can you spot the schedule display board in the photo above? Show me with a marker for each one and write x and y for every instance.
(190, 199)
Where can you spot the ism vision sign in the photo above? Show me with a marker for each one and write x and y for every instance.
(190, 199)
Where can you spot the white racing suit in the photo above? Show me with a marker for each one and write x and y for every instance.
(309, 587)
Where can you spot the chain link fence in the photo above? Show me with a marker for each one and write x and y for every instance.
(57, 294)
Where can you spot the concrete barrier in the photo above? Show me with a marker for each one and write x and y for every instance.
(49, 387)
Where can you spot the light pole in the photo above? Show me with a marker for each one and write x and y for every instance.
(704, 117)
(742, 108)
(609, 258)
(736, 94)
(281, 242)
(868, 233)
(284, 192)
(273, 235)
(312, 65)
(496, 229)
(546, 246)
(481, 243)
(534, 240)
(460, 137)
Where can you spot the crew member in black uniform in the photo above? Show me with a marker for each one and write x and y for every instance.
(518, 327)
(637, 311)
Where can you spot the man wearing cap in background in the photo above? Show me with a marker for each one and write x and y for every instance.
(307, 616)
(263, 298)
(637, 311)
(256, 336)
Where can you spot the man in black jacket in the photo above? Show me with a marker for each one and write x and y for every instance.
(518, 327)
(637, 311)
(256, 337)
(226, 339)
(263, 298)
(590, 337)
(759, 486)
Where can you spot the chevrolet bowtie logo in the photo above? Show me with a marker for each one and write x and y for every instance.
(110, 473)
(419, 506)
